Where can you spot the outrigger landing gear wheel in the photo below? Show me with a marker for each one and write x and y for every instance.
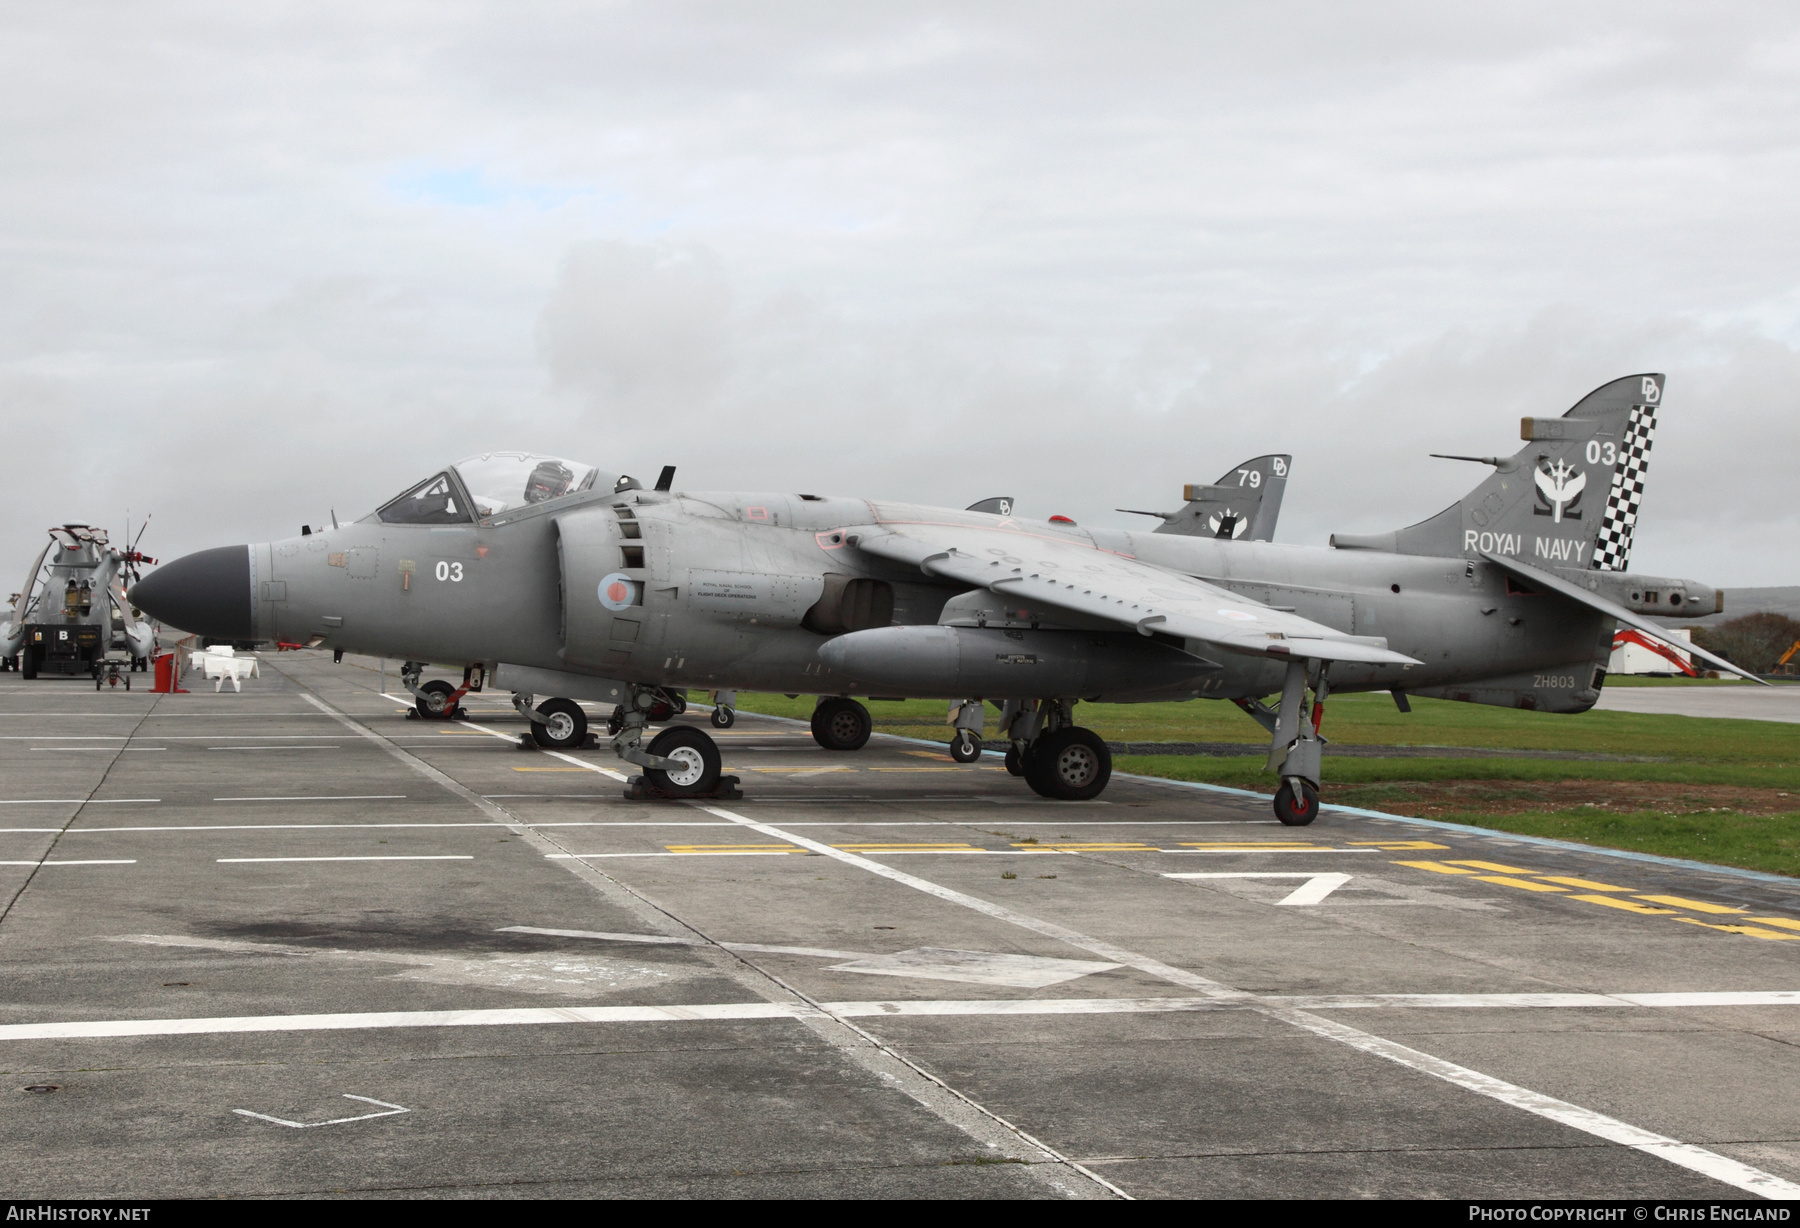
(437, 707)
(723, 717)
(566, 728)
(1296, 809)
(841, 724)
(966, 746)
(1070, 765)
(698, 759)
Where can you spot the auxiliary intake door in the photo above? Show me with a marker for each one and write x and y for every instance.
(603, 620)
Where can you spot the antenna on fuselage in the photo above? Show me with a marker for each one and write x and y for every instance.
(667, 480)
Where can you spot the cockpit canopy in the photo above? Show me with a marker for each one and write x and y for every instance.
(486, 485)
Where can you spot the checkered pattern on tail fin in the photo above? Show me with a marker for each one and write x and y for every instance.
(1612, 550)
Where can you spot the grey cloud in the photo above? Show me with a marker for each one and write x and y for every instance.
(1080, 254)
(631, 323)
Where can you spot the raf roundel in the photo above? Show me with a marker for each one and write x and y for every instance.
(618, 592)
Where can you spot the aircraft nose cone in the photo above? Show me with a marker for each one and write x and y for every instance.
(207, 593)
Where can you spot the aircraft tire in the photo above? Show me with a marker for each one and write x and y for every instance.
(1070, 765)
(1296, 811)
(723, 717)
(699, 756)
(437, 686)
(966, 746)
(1015, 762)
(841, 724)
(566, 729)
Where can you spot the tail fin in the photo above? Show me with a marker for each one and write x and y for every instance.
(1244, 504)
(1544, 503)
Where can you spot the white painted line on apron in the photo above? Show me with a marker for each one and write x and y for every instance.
(875, 1009)
(247, 860)
(388, 1111)
(1316, 887)
(339, 797)
(1686, 1155)
(554, 754)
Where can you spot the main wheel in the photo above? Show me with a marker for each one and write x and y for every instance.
(1015, 761)
(841, 724)
(437, 706)
(697, 756)
(1070, 765)
(966, 746)
(1296, 810)
(566, 728)
(723, 717)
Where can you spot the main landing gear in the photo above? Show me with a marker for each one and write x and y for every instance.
(1059, 759)
(841, 724)
(1295, 744)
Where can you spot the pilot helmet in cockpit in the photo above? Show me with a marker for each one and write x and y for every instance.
(550, 480)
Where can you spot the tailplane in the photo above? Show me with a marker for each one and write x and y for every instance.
(1568, 498)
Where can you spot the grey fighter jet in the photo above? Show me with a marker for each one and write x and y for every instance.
(548, 578)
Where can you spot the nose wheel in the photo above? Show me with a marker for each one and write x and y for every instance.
(723, 717)
(967, 746)
(696, 767)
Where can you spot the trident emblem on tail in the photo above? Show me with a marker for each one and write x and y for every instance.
(1559, 488)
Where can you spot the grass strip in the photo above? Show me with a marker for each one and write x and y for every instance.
(1770, 843)
(1245, 773)
(1372, 720)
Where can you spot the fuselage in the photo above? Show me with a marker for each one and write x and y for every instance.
(717, 590)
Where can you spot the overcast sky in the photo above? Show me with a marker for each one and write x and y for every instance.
(262, 261)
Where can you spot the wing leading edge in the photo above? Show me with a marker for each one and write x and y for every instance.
(1098, 584)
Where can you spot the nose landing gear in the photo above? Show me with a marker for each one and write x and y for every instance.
(680, 762)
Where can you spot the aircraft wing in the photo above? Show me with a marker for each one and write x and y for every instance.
(1071, 575)
(1594, 601)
